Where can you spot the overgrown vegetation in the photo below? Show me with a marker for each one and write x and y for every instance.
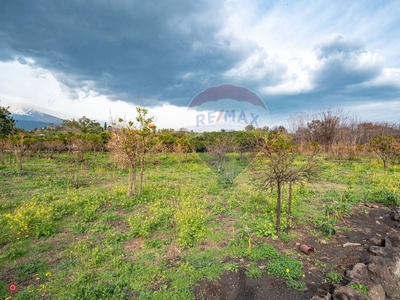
(71, 229)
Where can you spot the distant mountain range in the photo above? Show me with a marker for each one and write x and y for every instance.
(30, 118)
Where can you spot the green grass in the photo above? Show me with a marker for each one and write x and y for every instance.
(68, 230)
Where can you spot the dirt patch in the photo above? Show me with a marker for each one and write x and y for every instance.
(133, 245)
(347, 247)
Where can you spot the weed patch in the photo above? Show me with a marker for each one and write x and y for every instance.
(253, 271)
(190, 222)
(31, 218)
(263, 251)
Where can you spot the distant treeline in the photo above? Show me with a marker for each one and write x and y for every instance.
(331, 129)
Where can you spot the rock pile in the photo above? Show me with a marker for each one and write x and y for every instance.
(396, 216)
(378, 277)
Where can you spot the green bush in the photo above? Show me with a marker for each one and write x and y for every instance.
(285, 267)
(327, 226)
(263, 251)
(264, 228)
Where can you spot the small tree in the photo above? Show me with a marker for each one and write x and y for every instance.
(182, 147)
(7, 123)
(80, 143)
(277, 168)
(4, 143)
(219, 148)
(20, 147)
(84, 125)
(129, 143)
(6, 128)
(386, 147)
(249, 127)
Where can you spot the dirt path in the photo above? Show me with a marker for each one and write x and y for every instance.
(365, 222)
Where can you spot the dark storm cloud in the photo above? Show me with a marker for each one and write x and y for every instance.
(172, 50)
(167, 50)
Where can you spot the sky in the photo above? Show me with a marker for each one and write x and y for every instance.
(94, 57)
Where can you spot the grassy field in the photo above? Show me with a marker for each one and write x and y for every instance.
(68, 231)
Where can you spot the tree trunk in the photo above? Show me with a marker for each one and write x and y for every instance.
(278, 209)
(289, 210)
(132, 181)
(141, 175)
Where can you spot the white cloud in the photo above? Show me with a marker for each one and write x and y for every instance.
(258, 67)
(377, 111)
(296, 81)
(27, 85)
(389, 77)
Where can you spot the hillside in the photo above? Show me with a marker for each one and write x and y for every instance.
(29, 119)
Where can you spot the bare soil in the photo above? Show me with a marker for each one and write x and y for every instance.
(365, 222)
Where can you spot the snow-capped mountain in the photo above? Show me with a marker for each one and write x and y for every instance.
(30, 118)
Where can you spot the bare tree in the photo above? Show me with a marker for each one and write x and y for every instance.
(321, 126)
(80, 144)
(222, 145)
(298, 127)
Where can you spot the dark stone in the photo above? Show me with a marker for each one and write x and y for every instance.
(377, 241)
(376, 292)
(359, 272)
(348, 293)
(393, 239)
(379, 251)
(379, 272)
(326, 297)
(381, 275)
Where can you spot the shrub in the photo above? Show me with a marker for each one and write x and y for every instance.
(327, 226)
(264, 228)
(285, 267)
